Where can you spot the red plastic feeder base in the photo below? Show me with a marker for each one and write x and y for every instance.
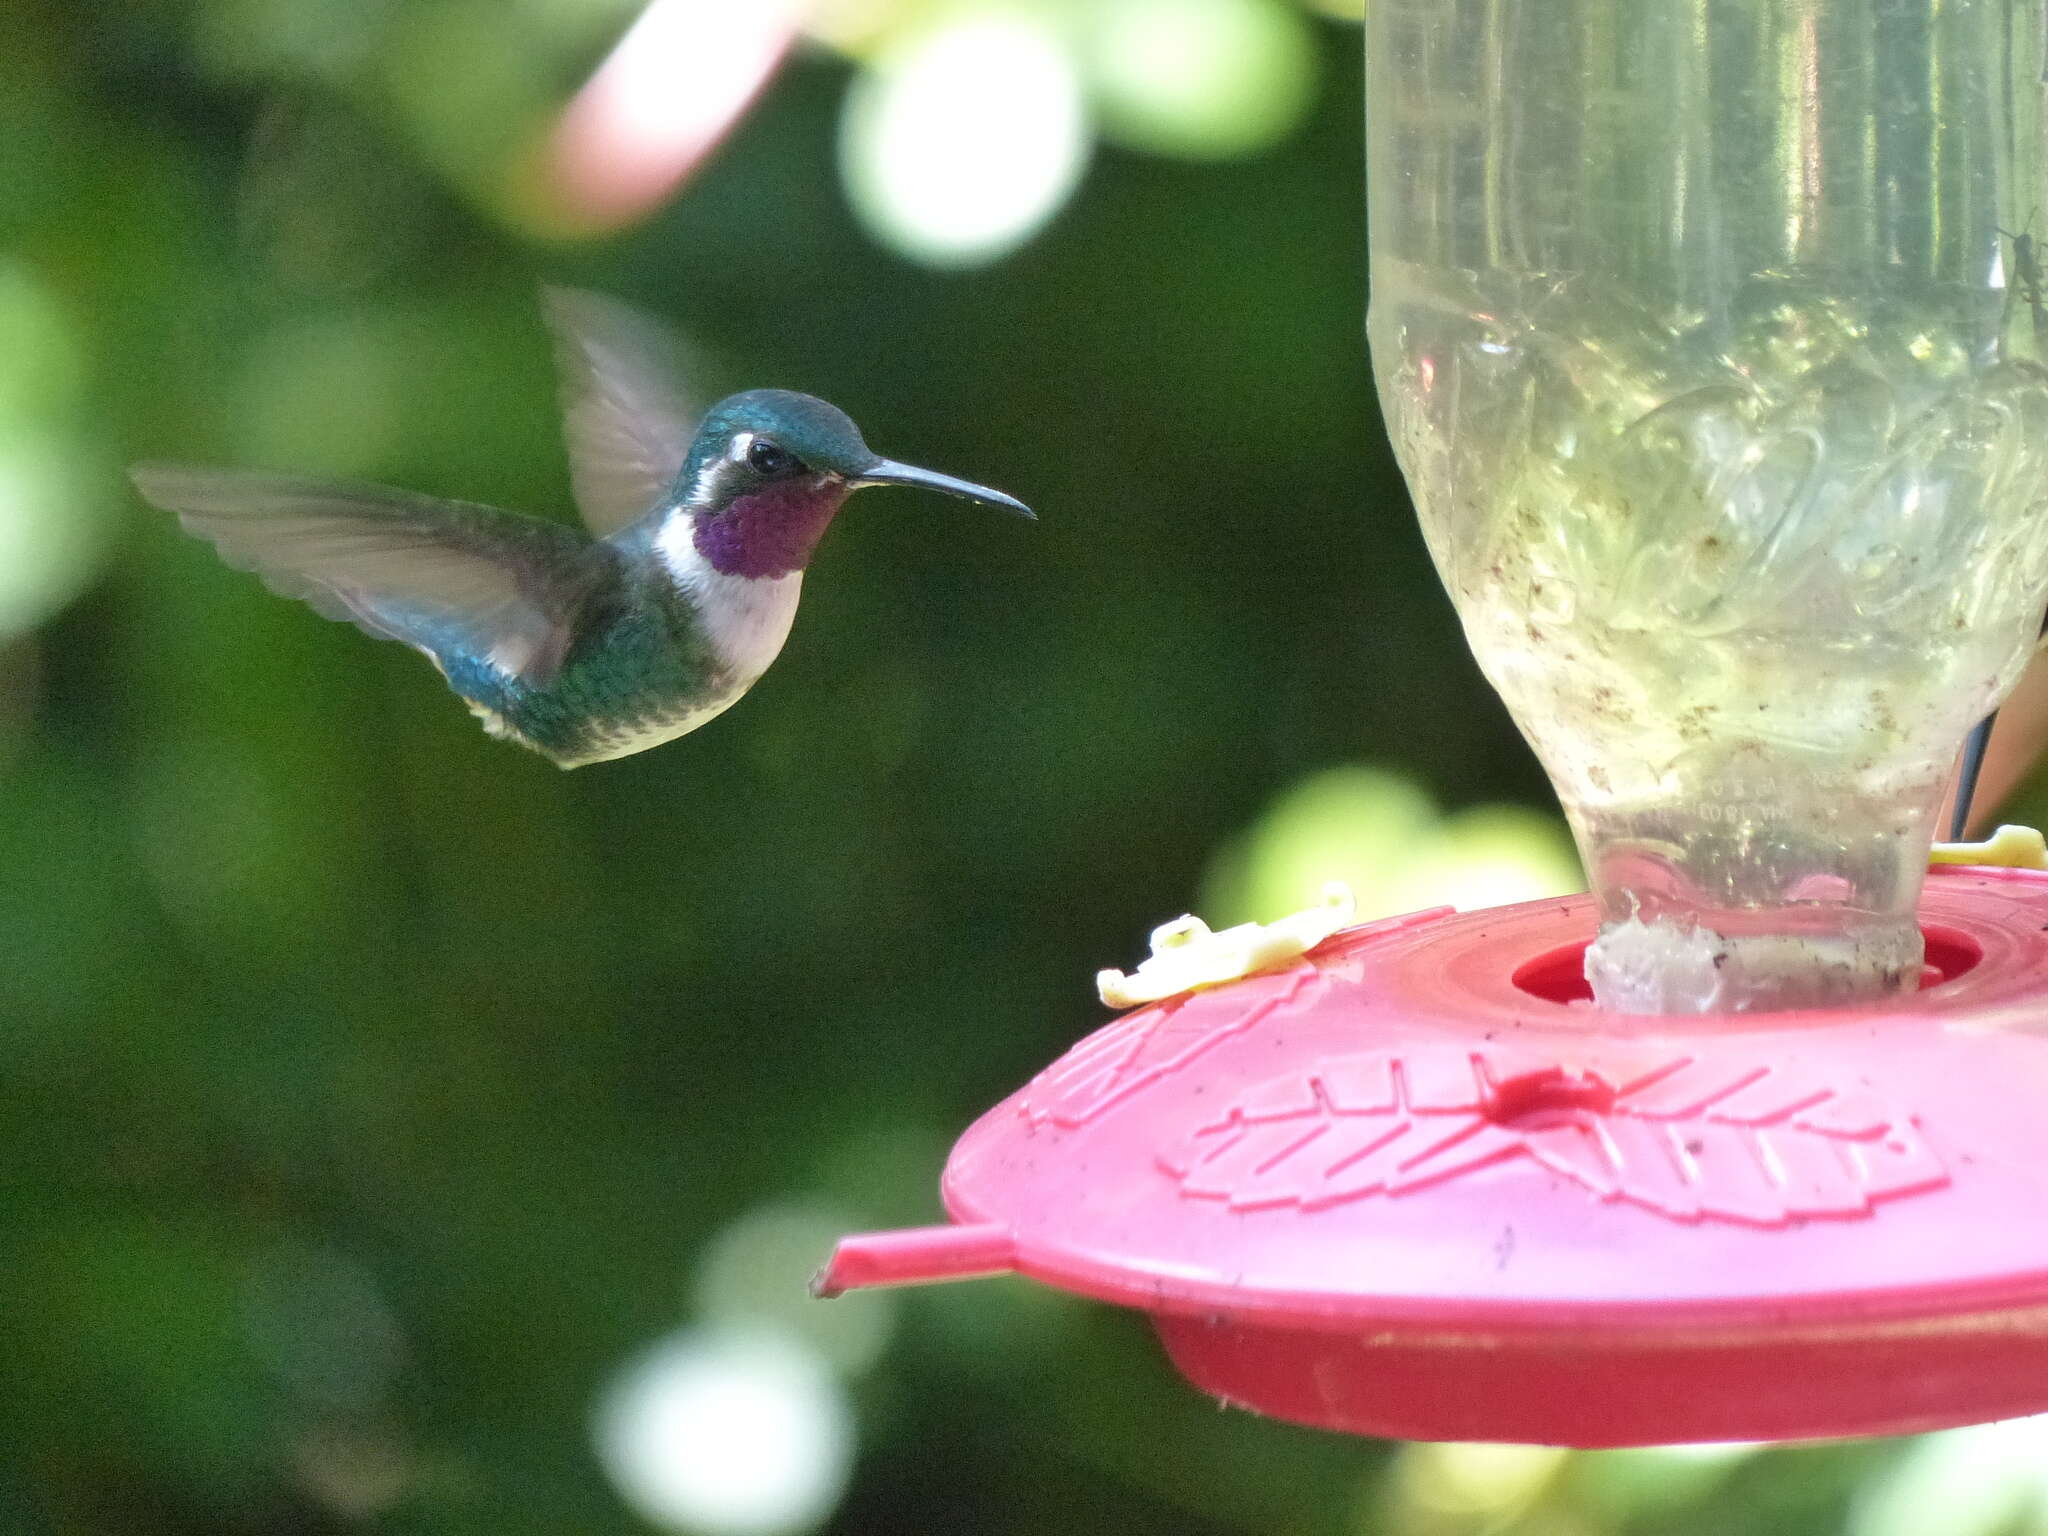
(1416, 1186)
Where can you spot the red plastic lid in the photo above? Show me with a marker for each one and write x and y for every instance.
(1414, 1185)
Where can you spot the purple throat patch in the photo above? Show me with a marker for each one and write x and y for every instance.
(770, 533)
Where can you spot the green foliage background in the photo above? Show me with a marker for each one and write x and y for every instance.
(371, 1091)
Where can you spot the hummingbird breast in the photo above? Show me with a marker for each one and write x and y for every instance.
(738, 629)
(673, 645)
(630, 685)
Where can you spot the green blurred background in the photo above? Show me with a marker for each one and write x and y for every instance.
(402, 1135)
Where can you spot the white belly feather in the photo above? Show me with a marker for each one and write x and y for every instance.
(746, 618)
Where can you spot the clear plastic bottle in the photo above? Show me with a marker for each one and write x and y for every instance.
(1710, 335)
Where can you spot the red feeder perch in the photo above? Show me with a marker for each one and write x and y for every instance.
(1414, 1185)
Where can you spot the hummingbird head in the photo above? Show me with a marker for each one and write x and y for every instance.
(769, 468)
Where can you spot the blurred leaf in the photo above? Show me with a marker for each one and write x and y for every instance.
(140, 1344)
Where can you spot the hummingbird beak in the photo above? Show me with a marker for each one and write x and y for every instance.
(889, 472)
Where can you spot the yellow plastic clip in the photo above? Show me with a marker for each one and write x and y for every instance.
(2014, 847)
(1187, 954)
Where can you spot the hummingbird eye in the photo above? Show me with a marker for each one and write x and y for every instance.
(768, 458)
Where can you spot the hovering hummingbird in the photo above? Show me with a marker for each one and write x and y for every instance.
(582, 646)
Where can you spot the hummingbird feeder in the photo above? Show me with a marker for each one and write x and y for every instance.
(1710, 337)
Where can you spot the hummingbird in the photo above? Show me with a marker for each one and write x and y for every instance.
(581, 644)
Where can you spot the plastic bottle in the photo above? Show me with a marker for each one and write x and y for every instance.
(1710, 336)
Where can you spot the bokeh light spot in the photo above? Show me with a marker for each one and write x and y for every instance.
(756, 1274)
(1380, 834)
(727, 1432)
(1349, 824)
(1200, 78)
(1490, 856)
(1643, 1482)
(49, 535)
(961, 142)
(51, 530)
(1989, 1478)
(1474, 1480)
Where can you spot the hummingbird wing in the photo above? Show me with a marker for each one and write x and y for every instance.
(450, 578)
(625, 415)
